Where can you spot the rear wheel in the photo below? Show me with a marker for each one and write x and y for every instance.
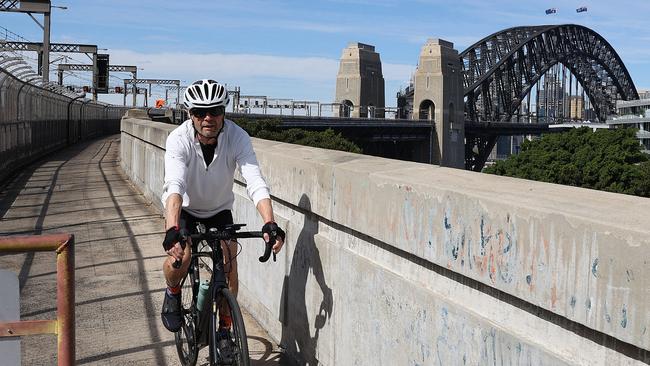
(186, 343)
(237, 340)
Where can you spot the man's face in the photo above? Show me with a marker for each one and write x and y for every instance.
(208, 121)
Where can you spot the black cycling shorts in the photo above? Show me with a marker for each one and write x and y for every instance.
(219, 220)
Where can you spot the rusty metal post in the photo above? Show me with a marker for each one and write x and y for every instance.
(65, 302)
(63, 327)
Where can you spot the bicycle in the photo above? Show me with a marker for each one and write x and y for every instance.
(201, 325)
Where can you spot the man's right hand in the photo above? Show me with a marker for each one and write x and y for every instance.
(174, 243)
(177, 251)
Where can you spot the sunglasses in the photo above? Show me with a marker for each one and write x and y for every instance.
(202, 112)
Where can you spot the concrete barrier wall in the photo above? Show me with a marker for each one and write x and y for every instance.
(391, 262)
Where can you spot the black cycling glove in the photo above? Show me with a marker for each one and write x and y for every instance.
(273, 230)
(174, 235)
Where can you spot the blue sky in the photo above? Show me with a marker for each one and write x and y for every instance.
(291, 49)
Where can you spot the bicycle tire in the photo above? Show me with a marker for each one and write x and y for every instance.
(238, 332)
(186, 343)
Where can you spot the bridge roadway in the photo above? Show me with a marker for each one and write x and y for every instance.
(119, 282)
(398, 129)
(410, 140)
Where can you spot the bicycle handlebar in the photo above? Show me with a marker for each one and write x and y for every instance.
(228, 233)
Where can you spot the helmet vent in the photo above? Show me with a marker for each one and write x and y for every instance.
(198, 92)
(191, 93)
(206, 89)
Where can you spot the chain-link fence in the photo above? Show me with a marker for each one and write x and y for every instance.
(35, 121)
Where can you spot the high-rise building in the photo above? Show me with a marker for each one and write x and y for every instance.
(552, 101)
(576, 107)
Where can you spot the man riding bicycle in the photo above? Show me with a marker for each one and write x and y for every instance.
(200, 159)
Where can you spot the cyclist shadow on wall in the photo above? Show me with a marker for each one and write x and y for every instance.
(298, 340)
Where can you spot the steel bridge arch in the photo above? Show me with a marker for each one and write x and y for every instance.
(500, 70)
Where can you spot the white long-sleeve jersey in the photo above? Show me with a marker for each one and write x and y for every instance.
(206, 190)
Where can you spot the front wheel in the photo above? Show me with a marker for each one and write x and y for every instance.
(233, 349)
(186, 342)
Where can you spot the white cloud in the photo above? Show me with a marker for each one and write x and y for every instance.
(228, 66)
(311, 78)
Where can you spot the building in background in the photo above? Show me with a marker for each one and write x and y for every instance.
(552, 101)
(644, 94)
(635, 114)
(576, 107)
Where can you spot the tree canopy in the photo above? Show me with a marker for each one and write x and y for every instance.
(608, 160)
(270, 129)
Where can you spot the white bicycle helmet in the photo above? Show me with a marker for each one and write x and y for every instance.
(206, 94)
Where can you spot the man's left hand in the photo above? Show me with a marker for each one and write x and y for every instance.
(272, 230)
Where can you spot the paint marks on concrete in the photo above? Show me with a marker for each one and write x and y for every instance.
(454, 252)
(553, 296)
(629, 275)
(461, 253)
(485, 239)
(469, 254)
(572, 302)
(594, 268)
(529, 279)
(494, 254)
(452, 242)
(409, 219)
(446, 221)
(509, 241)
(624, 316)
(507, 255)
(588, 304)
(451, 346)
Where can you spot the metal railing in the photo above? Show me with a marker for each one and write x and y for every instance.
(35, 120)
(63, 326)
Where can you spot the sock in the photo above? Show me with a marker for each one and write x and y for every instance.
(173, 290)
(225, 321)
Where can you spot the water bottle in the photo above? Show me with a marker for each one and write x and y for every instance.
(204, 295)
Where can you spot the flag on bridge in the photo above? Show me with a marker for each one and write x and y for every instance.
(581, 9)
(551, 11)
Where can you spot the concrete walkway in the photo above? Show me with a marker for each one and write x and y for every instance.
(119, 281)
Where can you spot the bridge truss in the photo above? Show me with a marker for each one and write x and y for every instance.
(500, 71)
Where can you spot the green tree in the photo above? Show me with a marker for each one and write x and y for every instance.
(271, 129)
(609, 160)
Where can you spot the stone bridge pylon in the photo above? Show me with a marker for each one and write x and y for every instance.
(437, 94)
(360, 83)
(438, 97)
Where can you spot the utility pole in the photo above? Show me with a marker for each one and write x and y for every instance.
(46, 44)
(95, 75)
(39, 7)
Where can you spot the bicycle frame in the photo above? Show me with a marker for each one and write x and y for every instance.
(217, 283)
